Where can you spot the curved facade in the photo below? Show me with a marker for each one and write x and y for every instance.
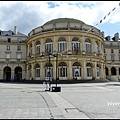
(79, 47)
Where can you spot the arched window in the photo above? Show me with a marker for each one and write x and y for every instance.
(49, 46)
(62, 69)
(38, 47)
(75, 44)
(88, 45)
(37, 70)
(89, 69)
(62, 46)
(96, 47)
(76, 69)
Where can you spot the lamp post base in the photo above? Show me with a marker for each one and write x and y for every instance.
(56, 89)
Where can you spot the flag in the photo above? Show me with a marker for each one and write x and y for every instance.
(96, 24)
(108, 13)
(100, 21)
(113, 9)
(104, 17)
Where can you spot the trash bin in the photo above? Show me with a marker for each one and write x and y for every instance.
(56, 89)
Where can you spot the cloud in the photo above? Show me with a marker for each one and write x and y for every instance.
(27, 15)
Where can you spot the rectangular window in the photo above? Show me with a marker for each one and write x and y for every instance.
(18, 56)
(112, 51)
(8, 56)
(98, 72)
(104, 51)
(8, 48)
(105, 57)
(9, 40)
(19, 40)
(18, 47)
(62, 46)
(111, 44)
(88, 48)
(48, 46)
(37, 72)
(89, 72)
(112, 58)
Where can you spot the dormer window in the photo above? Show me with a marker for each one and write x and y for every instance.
(19, 40)
(9, 39)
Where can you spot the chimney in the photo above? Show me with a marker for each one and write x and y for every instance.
(15, 30)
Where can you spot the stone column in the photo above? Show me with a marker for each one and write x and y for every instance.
(84, 71)
(94, 70)
(55, 44)
(101, 71)
(83, 44)
(117, 71)
(23, 74)
(33, 49)
(70, 70)
(109, 71)
(42, 71)
(92, 46)
(33, 71)
(12, 73)
(54, 69)
(28, 75)
(69, 43)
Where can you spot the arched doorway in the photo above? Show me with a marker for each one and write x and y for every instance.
(18, 73)
(113, 71)
(106, 70)
(7, 73)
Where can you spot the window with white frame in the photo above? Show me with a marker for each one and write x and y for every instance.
(18, 56)
(112, 58)
(76, 69)
(49, 46)
(37, 70)
(18, 47)
(88, 45)
(19, 40)
(38, 47)
(89, 70)
(8, 56)
(62, 46)
(75, 44)
(62, 70)
(8, 47)
(98, 71)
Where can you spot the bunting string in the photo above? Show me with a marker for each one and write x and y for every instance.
(61, 53)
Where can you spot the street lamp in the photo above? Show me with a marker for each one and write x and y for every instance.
(56, 89)
(56, 55)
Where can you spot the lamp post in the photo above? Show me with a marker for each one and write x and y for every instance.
(56, 55)
(49, 73)
(56, 88)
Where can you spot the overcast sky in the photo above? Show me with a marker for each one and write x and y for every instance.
(27, 15)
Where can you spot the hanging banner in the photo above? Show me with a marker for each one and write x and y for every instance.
(76, 72)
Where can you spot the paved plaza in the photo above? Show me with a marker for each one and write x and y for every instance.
(77, 101)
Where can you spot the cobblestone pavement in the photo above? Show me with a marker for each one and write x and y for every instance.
(81, 100)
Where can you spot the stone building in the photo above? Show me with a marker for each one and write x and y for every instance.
(12, 55)
(112, 56)
(78, 48)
